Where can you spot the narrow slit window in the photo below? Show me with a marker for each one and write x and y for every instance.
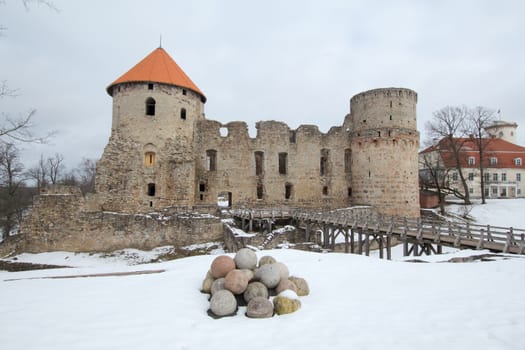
(288, 191)
(259, 163)
(283, 160)
(260, 191)
(348, 160)
(183, 114)
(149, 158)
(211, 160)
(323, 163)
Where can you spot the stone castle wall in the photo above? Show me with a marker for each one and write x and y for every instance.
(235, 165)
(61, 220)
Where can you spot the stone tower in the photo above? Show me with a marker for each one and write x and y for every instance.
(148, 162)
(384, 146)
(503, 130)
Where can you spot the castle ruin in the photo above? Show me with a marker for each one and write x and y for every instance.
(163, 153)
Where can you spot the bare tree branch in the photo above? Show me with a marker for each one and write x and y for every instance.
(21, 129)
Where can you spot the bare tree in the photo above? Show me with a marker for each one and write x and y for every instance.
(55, 167)
(448, 124)
(86, 175)
(11, 181)
(38, 173)
(479, 119)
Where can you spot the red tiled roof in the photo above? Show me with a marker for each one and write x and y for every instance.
(505, 152)
(157, 67)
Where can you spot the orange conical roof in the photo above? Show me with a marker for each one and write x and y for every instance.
(157, 67)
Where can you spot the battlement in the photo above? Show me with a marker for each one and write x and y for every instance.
(385, 93)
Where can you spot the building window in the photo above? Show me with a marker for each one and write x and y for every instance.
(518, 177)
(151, 189)
(259, 162)
(503, 192)
(471, 176)
(202, 187)
(150, 86)
(493, 160)
(495, 191)
(487, 192)
(486, 176)
(471, 160)
(325, 190)
(348, 160)
(517, 161)
(349, 191)
(503, 177)
(183, 114)
(150, 106)
(211, 160)
(495, 177)
(283, 160)
(293, 136)
(149, 158)
(184, 91)
(260, 191)
(323, 163)
(471, 190)
(288, 191)
(454, 176)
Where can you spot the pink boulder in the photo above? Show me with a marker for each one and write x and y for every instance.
(221, 265)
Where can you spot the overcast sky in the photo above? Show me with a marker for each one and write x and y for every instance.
(295, 61)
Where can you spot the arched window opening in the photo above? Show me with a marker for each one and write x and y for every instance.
(149, 158)
(150, 106)
(151, 189)
(183, 114)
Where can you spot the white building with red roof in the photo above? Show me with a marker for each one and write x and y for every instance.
(504, 172)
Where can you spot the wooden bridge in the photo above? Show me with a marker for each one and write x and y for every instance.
(360, 230)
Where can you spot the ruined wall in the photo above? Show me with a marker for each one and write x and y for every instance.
(60, 221)
(235, 168)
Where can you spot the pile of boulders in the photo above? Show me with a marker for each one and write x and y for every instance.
(264, 287)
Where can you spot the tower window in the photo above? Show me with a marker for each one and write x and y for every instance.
(184, 91)
(149, 158)
(283, 160)
(288, 191)
(183, 113)
(202, 187)
(323, 163)
(151, 189)
(259, 163)
(150, 106)
(211, 160)
(348, 160)
(260, 191)
(325, 190)
(150, 86)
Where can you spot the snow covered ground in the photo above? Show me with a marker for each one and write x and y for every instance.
(356, 302)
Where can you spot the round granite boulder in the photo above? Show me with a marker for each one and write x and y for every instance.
(223, 303)
(269, 275)
(245, 258)
(221, 265)
(207, 283)
(266, 260)
(255, 289)
(302, 286)
(283, 270)
(217, 285)
(283, 285)
(286, 303)
(259, 307)
(236, 281)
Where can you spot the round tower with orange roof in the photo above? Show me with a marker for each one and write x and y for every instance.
(148, 162)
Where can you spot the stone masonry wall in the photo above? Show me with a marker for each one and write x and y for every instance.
(59, 221)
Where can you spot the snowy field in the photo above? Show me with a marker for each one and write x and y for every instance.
(356, 302)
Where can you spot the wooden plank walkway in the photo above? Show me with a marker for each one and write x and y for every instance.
(419, 236)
